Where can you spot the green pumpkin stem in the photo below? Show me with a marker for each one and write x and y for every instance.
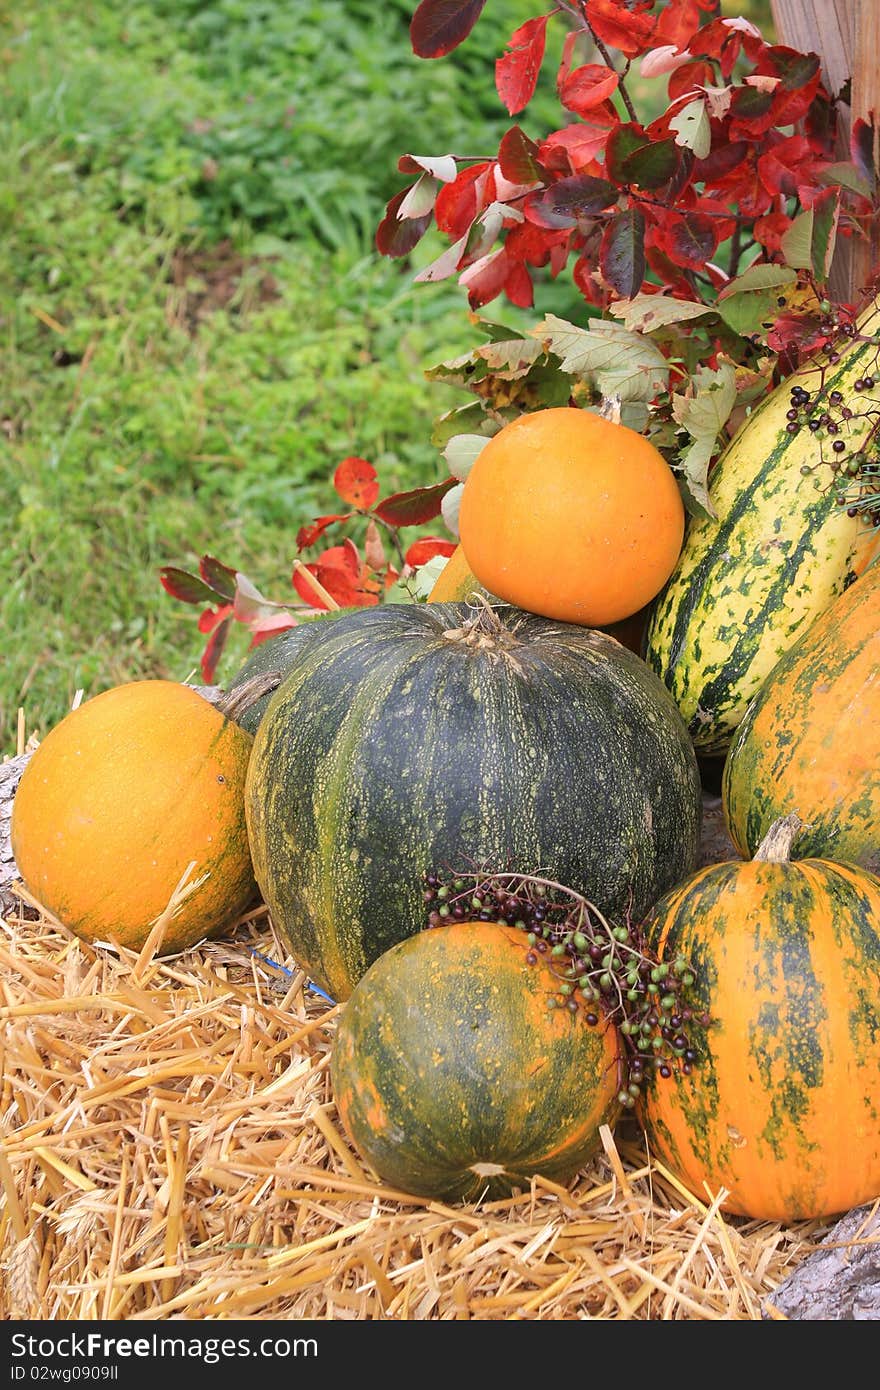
(236, 701)
(775, 848)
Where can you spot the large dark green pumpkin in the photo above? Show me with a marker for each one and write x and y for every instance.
(277, 654)
(405, 740)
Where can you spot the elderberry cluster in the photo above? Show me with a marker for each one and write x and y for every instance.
(603, 969)
(855, 470)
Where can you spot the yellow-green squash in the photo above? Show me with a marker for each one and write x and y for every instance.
(782, 548)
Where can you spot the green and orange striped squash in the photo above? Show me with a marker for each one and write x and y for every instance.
(411, 737)
(136, 793)
(453, 1078)
(810, 738)
(781, 549)
(780, 1114)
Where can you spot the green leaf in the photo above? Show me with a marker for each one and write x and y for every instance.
(461, 452)
(449, 508)
(846, 175)
(703, 412)
(615, 361)
(465, 417)
(422, 582)
(758, 277)
(809, 242)
(510, 359)
(748, 301)
(645, 312)
(692, 129)
(632, 157)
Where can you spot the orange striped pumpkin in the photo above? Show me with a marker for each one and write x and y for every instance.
(810, 739)
(781, 1110)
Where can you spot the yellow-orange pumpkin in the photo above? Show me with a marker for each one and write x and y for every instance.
(456, 581)
(782, 1107)
(573, 516)
(119, 799)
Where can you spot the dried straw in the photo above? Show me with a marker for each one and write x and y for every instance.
(169, 1147)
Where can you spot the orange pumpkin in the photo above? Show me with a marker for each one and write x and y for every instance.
(781, 1108)
(573, 516)
(120, 798)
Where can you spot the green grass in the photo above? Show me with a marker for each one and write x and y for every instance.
(137, 131)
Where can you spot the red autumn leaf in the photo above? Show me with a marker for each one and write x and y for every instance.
(460, 201)
(213, 650)
(587, 86)
(769, 231)
(518, 286)
(795, 69)
(211, 617)
(720, 162)
(526, 242)
(486, 278)
(622, 253)
(516, 71)
(420, 552)
(690, 240)
(413, 508)
(688, 77)
(518, 157)
(570, 201)
(307, 535)
(628, 31)
(678, 23)
(783, 167)
(220, 577)
(861, 145)
(788, 108)
(396, 236)
(439, 26)
(264, 628)
(672, 276)
(574, 148)
(720, 41)
(339, 571)
(355, 481)
(189, 588)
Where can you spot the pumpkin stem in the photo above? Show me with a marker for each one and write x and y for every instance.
(484, 630)
(609, 409)
(775, 848)
(234, 702)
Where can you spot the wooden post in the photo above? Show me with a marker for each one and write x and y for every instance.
(846, 36)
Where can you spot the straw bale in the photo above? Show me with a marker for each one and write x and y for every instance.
(170, 1149)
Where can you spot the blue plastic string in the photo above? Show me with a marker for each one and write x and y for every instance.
(310, 984)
